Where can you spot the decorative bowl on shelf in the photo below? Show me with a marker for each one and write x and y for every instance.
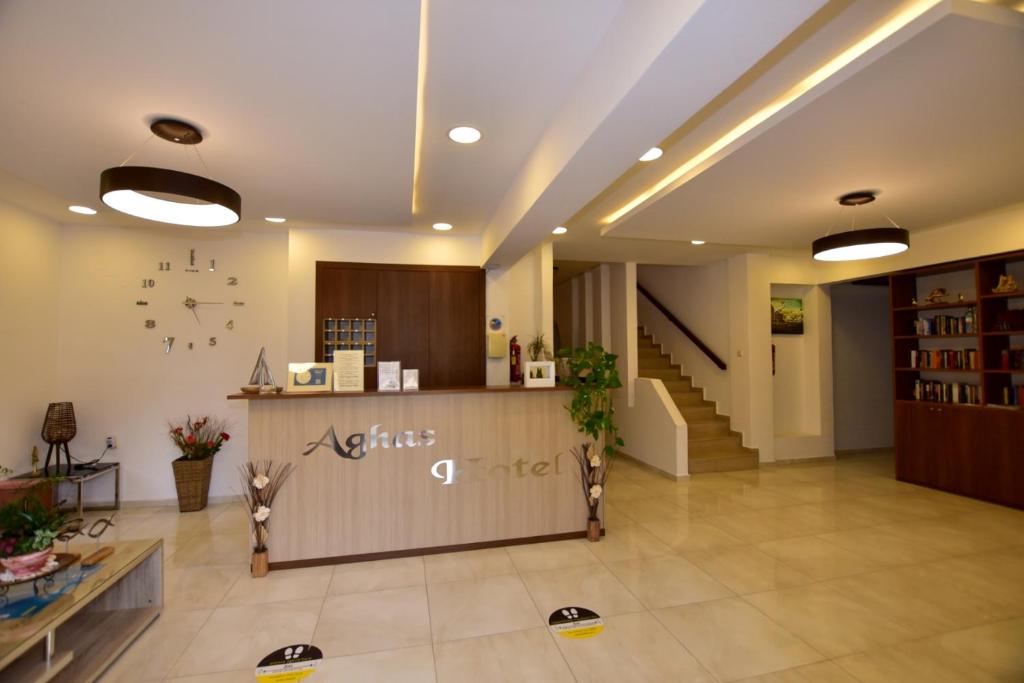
(251, 389)
(29, 563)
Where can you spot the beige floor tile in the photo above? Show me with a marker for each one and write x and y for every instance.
(691, 535)
(540, 556)
(704, 503)
(667, 581)
(734, 640)
(198, 587)
(239, 676)
(651, 509)
(755, 526)
(478, 607)
(757, 498)
(472, 564)
(923, 599)
(882, 548)
(747, 570)
(816, 558)
(364, 577)
(627, 542)
(921, 660)
(822, 672)
(529, 655)
(620, 489)
(827, 620)
(152, 656)
(593, 587)
(408, 665)
(995, 576)
(280, 586)
(953, 535)
(367, 622)
(633, 647)
(997, 648)
(913, 504)
(205, 550)
(238, 637)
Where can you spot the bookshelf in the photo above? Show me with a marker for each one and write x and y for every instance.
(958, 378)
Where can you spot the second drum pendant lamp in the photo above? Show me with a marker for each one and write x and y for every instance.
(166, 196)
(858, 245)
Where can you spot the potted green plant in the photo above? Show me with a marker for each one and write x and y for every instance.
(538, 348)
(198, 440)
(592, 377)
(27, 531)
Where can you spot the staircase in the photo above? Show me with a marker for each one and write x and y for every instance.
(713, 447)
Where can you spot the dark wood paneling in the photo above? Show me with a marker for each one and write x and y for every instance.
(457, 329)
(430, 317)
(342, 292)
(403, 302)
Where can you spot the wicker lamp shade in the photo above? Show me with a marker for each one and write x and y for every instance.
(59, 426)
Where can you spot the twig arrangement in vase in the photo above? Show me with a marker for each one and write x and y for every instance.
(592, 376)
(261, 482)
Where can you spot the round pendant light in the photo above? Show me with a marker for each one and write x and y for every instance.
(865, 243)
(166, 196)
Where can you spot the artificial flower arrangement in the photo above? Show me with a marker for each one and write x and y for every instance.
(261, 481)
(199, 439)
(27, 532)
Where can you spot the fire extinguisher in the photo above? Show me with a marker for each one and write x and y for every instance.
(515, 364)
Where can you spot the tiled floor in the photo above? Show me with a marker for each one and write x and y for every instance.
(821, 573)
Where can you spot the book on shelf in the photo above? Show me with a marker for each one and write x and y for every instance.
(946, 392)
(944, 359)
(1011, 358)
(1013, 395)
(946, 324)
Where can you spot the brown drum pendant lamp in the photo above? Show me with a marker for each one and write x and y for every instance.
(59, 427)
(867, 243)
(167, 196)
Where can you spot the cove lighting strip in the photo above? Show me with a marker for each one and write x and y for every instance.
(421, 86)
(817, 77)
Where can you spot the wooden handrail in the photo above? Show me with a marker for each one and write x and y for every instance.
(682, 328)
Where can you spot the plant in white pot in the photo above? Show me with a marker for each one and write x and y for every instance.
(27, 531)
(592, 377)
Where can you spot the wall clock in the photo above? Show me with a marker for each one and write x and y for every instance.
(171, 290)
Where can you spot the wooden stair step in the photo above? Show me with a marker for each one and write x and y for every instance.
(723, 462)
(690, 398)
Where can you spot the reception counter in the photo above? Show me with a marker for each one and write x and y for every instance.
(390, 474)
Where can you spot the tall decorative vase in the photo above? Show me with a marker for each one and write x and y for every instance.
(259, 566)
(593, 530)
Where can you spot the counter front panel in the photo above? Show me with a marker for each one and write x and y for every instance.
(396, 474)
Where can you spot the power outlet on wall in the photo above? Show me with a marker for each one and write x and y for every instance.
(111, 442)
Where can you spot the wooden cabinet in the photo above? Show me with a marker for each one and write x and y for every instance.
(427, 317)
(958, 420)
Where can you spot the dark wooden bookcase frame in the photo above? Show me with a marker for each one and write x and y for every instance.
(973, 450)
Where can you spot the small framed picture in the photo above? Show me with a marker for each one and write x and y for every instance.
(306, 377)
(410, 380)
(389, 376)
(539, 374)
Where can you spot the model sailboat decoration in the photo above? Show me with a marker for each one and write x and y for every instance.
(262, 379)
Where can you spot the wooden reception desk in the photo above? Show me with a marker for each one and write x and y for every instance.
(392, 474)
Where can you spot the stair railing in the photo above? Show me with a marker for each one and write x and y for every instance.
(682, 328)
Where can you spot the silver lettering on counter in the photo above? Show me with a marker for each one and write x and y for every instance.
(356, 445)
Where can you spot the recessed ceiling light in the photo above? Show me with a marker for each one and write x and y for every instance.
(652, 154)
(275, 219)
(464, 135)
(697, 242)
(442, 226)
(84, 210)
(560, 230)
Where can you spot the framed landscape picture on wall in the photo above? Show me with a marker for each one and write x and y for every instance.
(787, 316)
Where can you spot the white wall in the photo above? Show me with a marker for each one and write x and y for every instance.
(115, 370)
(28, 332)
(862, 367)
(698, 296)
(522, 295)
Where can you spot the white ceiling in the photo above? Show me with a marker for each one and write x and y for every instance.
(310, 110)
(936, 124)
